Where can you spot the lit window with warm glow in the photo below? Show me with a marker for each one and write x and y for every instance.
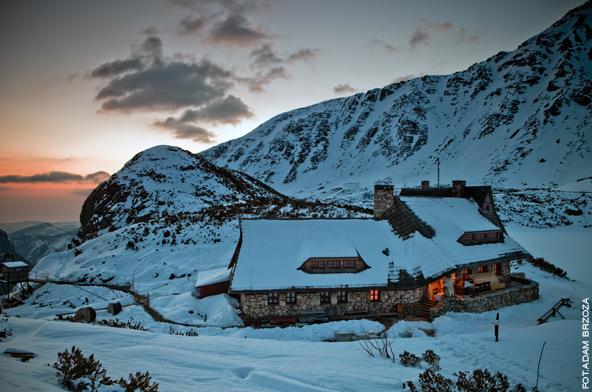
(374, 295)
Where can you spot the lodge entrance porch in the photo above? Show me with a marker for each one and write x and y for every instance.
(480, 280)
(441, 288)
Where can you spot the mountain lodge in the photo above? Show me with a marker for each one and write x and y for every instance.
(425, 251)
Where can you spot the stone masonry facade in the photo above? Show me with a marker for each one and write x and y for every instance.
(522, 291)
(255, 307)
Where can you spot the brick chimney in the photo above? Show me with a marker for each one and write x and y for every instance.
(384, 198)
(458, 187)
(425, 184)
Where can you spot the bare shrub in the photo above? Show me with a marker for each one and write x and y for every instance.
(381, 348)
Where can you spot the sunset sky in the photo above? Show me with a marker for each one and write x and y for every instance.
(86, 85)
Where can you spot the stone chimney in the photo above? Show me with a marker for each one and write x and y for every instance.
(425, 184)
(458, 187)
(384, 198)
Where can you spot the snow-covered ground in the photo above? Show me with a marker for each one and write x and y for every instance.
(297, 359)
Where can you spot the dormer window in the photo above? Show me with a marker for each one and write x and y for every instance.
(333, 265)
(481, 237)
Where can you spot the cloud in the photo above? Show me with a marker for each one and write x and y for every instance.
(151, 30)
(183, 130)
(229, 110)
(344, 88)
(172, 85)
(147, 53)
(424, 31)
(116, 67)
(258, 82)
(385, 45)
(265, 56)
(466, 36)
(97, 177)
(189, 25)
(150, 49)
(407, 77)
(303, 55)
(150, 81)
(434, 25)
(56, 177)
(419, 36)
(233, 6)
(236, 30)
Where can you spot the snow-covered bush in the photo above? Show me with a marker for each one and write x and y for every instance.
(432, 359)
(430, 381)
(409, 359)
(138, 382)
(76, 372)
(481, 380)
(129, 324)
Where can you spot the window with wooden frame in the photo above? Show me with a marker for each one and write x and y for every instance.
(341, 297)
(325, 297)
(291, 297)
(374, 295)
(273, 298)
(483, 268)
(497, 268)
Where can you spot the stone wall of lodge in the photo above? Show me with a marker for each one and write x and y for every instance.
(525, 291)
(255, 307)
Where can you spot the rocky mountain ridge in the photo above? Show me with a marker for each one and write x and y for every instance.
(518, 119)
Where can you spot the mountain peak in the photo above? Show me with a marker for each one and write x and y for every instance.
(163, 181)
(519, 118)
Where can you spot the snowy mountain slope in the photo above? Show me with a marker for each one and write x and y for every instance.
(40, 239)
(518, 119)
(166, 215)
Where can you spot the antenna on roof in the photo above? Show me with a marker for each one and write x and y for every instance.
(438, 171)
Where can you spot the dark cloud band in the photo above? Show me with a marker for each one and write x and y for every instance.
(56, 177)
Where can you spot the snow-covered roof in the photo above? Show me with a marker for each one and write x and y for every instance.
(449, 215)
(15, 264)
(272, 250)
(212, 276)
